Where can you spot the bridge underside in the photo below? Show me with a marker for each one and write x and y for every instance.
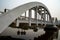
(15, 14)
(41, 17)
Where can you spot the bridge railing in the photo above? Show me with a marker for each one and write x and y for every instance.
(26, 19)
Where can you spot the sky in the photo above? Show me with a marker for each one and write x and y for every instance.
(52, 5)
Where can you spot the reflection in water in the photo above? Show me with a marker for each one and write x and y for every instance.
(22, 32)
(18, 32)
(48, 36)
(37, 34)
(35, 30)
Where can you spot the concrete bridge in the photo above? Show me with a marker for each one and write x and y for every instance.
(41, 15)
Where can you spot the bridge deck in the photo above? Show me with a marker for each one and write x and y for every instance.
(23, 19)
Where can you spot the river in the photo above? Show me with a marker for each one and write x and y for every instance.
(30, 34)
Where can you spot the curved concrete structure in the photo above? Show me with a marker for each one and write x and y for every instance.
(7, 18)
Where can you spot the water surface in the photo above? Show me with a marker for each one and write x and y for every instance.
(30, 34)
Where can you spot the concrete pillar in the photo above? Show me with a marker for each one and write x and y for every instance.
(41, 15)
(38, 17)
(36, 10)
(17, 23)
(44, 15)
(47, 17)
(29, 17)
(25, 14)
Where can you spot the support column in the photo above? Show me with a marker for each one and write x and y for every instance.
(29, 17)
(25, 14)
(41, 17)
(17, 23)
(47, 17)
(44, 15)
(36, 15)
(41, 14)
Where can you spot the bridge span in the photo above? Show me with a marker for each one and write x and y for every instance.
(6, 18)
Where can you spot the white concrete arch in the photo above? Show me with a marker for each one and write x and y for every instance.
(10, 16)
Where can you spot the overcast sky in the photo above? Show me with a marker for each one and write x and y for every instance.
(52, 5)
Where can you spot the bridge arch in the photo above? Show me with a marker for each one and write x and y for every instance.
(7, 18)
(41, 10)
